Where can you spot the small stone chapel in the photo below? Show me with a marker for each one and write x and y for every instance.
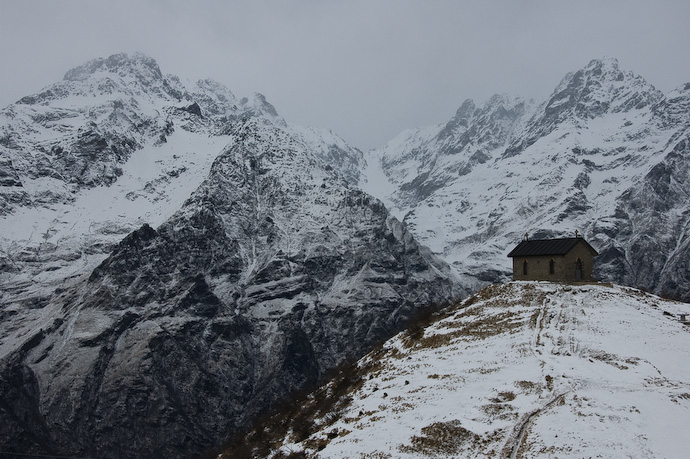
(558, 260)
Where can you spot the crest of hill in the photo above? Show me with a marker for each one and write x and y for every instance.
(526, 369)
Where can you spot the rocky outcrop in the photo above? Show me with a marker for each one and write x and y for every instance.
(652, 222)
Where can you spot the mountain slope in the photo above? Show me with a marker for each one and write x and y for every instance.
(521, 370)
(606, 154)
(226, 262)
(114, 145)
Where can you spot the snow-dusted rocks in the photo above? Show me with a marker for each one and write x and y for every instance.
(228, 263)
(606, 154)
(114, 145)
(519, 370)
(599, 89)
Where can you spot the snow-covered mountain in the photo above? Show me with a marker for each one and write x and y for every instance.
(607, 154)
(175, 261)
(114, 145)
(518, 370)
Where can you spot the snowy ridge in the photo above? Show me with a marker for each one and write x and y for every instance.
(70, 190)
(472, 188)
(522, 370)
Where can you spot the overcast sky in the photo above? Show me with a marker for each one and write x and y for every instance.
(367, 69)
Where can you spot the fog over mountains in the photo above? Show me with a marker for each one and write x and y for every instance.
(175, 260)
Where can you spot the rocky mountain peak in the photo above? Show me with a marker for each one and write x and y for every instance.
(469, 116)
(598, 88)
(674, 109)
(214, 97)
(460, 122)
(259, 106)
(501, 108)
(464, 114)
(596, 69)
(219, 90)
(605, 66)
(121, 64)
(119, 75)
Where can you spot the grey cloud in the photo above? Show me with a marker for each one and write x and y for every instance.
(365, 69)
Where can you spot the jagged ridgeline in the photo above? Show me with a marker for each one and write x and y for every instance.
(129, 339)
(606, 154)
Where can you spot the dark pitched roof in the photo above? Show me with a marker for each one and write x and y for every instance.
(539, 247)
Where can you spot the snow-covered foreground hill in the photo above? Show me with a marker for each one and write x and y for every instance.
(519, 370)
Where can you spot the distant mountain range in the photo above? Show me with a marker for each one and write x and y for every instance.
(175, 261)
(607, 154)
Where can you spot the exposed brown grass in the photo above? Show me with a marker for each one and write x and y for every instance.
(487, 313)
(502, 411)
(505, 396)
(527, 386)
(479, 329)
(440, 438)
(436, 376)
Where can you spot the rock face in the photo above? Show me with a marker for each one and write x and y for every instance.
(606, 154)
(80, 132)
(114, 145)
(272, 271)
